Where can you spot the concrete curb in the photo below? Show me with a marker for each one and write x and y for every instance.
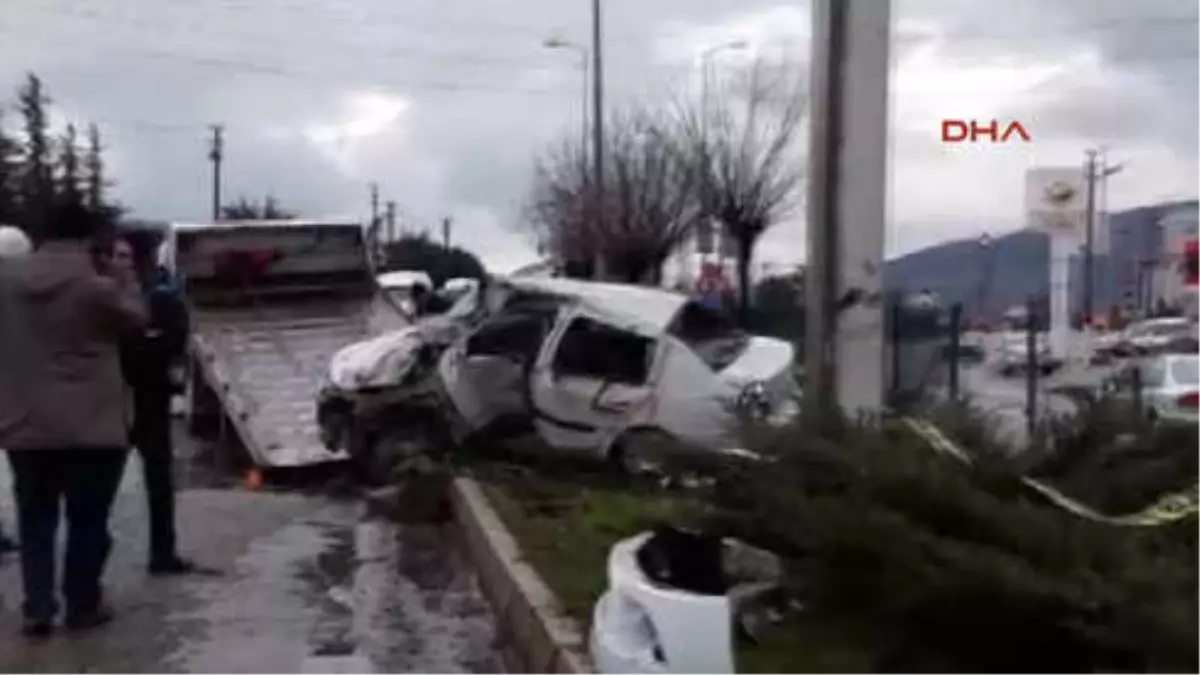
(542, 638)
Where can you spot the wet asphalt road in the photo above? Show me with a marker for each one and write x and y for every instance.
(307, 585)
(1004, 398)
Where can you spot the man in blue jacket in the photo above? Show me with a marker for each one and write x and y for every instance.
(147, 362)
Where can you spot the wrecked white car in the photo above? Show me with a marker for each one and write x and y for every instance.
(613, 371)
(384, 389)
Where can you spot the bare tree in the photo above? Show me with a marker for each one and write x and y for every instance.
(244, 209)
(649, 204)
(745, 139)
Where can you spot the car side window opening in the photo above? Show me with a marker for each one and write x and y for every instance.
(518, 333)
(594, 350)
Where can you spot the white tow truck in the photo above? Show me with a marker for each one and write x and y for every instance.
(270, 303)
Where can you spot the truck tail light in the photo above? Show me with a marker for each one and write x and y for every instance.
(1191, 400)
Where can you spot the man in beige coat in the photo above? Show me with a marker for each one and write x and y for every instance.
(64, 414)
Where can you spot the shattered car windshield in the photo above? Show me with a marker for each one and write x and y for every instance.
(714, 337)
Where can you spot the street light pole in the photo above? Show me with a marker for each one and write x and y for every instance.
(710, 233)
(556, 43)
(598, 209)
(1089, 238)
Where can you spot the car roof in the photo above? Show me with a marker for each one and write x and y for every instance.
(650, 308)
(264, 224)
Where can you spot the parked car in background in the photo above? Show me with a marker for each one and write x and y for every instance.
(1169, 387)
(1145, 337)
(1014, 355)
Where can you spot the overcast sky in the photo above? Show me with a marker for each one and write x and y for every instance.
(446, 102)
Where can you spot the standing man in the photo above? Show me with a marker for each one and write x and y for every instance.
(14, 245)
(148, 360)
(63, 415)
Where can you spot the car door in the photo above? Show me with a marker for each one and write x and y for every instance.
(590, 381)
(485, 374)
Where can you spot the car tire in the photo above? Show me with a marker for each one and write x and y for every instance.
(628, 453)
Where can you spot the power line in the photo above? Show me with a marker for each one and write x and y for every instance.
(489, 26)
(474, 58)
(252, 67)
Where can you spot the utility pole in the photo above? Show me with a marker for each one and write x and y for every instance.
(391, 221)
(374, 204)
(446, 223)
(216, 153)
(598, 200)
(1089, 229)
(847, 194)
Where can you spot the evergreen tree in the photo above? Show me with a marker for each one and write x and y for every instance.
(10, 158)
(93, 170)
(36, 187)
(68, 169)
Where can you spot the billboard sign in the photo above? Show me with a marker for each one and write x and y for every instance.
(1055, 201)
(1190, 248)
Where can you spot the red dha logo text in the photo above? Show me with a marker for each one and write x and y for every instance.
(971, 131)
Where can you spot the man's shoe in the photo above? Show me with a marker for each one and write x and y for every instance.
(8, 545)
(37, 629)
(89, 619)
(173, 567)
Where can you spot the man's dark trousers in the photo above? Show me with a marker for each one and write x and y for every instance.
(152, 438)
(87, 480)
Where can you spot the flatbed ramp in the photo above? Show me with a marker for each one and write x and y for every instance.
(270, 364)
(271, 303)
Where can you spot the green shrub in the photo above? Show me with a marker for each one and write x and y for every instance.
(952, 567)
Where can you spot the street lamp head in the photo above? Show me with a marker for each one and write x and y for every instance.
(738, 44)
(554, 43)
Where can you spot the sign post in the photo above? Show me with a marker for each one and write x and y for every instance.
(1055, 203)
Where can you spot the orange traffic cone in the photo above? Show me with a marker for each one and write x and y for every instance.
(254, 479)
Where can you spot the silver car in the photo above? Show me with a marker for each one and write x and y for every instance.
(1170, 387)
(1152, 336)
(1014, 355)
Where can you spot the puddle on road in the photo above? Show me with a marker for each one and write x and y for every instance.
(339, 594)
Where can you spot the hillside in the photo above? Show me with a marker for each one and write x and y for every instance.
(958, 271)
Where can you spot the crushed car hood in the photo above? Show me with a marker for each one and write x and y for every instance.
(377, 362)
(387, 359)
(766, 360)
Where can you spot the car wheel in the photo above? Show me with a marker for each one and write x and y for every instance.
(639, 451)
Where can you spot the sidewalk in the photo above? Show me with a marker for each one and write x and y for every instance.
(309, 587)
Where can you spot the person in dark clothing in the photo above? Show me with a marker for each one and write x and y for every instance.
(63, 414)
(147, 363)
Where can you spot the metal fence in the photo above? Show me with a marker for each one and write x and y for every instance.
(925, 349)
